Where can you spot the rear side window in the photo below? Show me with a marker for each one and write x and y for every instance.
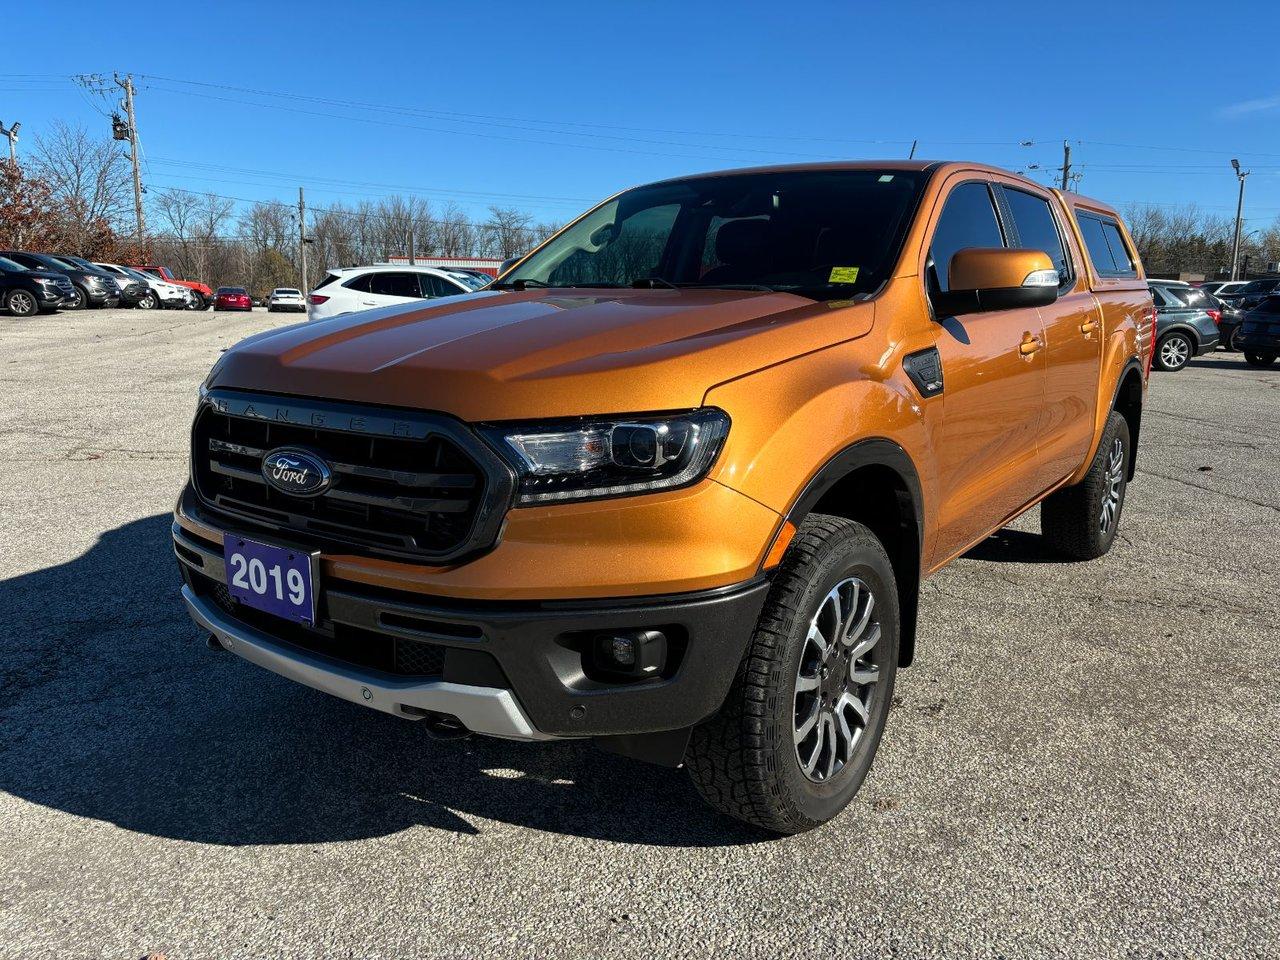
(326, 281)
(1107, 249)
(361, 283)
(968, 220)
(394, 284)
(1037, 229)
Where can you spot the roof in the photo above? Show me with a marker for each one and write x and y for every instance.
(384, 267)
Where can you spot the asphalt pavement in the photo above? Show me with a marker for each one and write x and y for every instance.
(1084, 762)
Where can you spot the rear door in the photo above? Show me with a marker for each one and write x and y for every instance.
(1072, 330)
(391, 287)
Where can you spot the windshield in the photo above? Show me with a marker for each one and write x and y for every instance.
(11, 265)
(470, 280)
(137, 275)
(1258, 286)
(283, 291)
(823, 234)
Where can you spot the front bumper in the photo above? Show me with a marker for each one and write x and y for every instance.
(510, 669)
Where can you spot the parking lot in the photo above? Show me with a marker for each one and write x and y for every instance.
(1085, 760)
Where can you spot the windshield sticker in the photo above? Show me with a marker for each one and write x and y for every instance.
(843, 275)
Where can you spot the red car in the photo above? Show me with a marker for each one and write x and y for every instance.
(232, 298)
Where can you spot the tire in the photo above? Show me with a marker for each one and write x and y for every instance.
(79, 300)
(1081, 521)
(1260, 360)
(22, 303)
(1230, 343)
(149, 302)
(1174, 351)
(198, 302)
(746, 761)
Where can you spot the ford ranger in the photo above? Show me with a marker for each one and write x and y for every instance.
(671, 482)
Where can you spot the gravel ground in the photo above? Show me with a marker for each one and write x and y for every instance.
(1084, 762)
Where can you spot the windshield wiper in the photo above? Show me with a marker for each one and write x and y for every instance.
(732, 286)
(519, 284)
(650, 283)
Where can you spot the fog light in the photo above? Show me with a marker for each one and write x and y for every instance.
(631, 653)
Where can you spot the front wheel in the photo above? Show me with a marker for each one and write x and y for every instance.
(1174, 351)
(798, 732)
(149, 302)
(22, 303)
(78, 298)
(1259, 359)
(1081, 521)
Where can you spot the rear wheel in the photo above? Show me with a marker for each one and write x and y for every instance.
(1230, 343)
(22, 303)
(198, 302)
(1174, 351)
(1259, 359)
(1081, 521)
(800, 727)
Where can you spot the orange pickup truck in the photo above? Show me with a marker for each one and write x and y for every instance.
(672, 481)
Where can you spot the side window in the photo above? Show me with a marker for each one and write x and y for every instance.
(360, 283)
(968, 220)
(433, 286)
(1037, 229)
(1119, 249)
(1106, 248)
(395, 284)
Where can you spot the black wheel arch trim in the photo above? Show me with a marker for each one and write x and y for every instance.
(878, 452)
(1132, 365)
(1186, 328)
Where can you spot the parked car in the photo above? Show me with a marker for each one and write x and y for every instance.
(25, 292)
(1220, 288)
(286, 298)
(163, 293)
(351, 289)
(1186, 324)
(232, 298)
(132, 291)
(672, 483)
(1259, 335)
(201, 294)
(90, 288)
(1249, 295)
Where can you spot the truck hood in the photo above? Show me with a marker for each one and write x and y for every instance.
(540, 354)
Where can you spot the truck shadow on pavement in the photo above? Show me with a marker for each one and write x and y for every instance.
(113, 708)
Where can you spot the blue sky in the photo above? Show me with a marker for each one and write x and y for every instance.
(550, 106)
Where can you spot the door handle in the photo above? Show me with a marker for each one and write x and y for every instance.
(1089, 327)
(1030, 345)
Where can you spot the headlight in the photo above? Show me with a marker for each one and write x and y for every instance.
(612, 457)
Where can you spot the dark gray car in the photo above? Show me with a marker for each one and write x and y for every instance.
(1186, 324)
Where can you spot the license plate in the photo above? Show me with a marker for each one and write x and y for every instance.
(273, 579)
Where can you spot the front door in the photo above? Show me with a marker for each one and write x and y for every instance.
(993, 368)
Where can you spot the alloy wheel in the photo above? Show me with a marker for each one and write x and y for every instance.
(836, 680)
(1112, 487)
(21, 303)
(1175, 352)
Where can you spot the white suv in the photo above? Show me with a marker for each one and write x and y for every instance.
(349, 289)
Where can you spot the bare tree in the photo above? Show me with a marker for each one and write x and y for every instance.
(89, 177)
(506, 232)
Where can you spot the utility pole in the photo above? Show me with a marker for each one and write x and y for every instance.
(412, 259)
(127, 86)
(12, 133)
(1235, 246)
(1066, 166)
(302, 238)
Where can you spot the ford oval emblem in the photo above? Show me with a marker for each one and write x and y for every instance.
(297, 472)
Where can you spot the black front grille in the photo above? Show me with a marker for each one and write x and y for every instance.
(404, 483)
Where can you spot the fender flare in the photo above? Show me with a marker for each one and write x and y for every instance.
(879, 452)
